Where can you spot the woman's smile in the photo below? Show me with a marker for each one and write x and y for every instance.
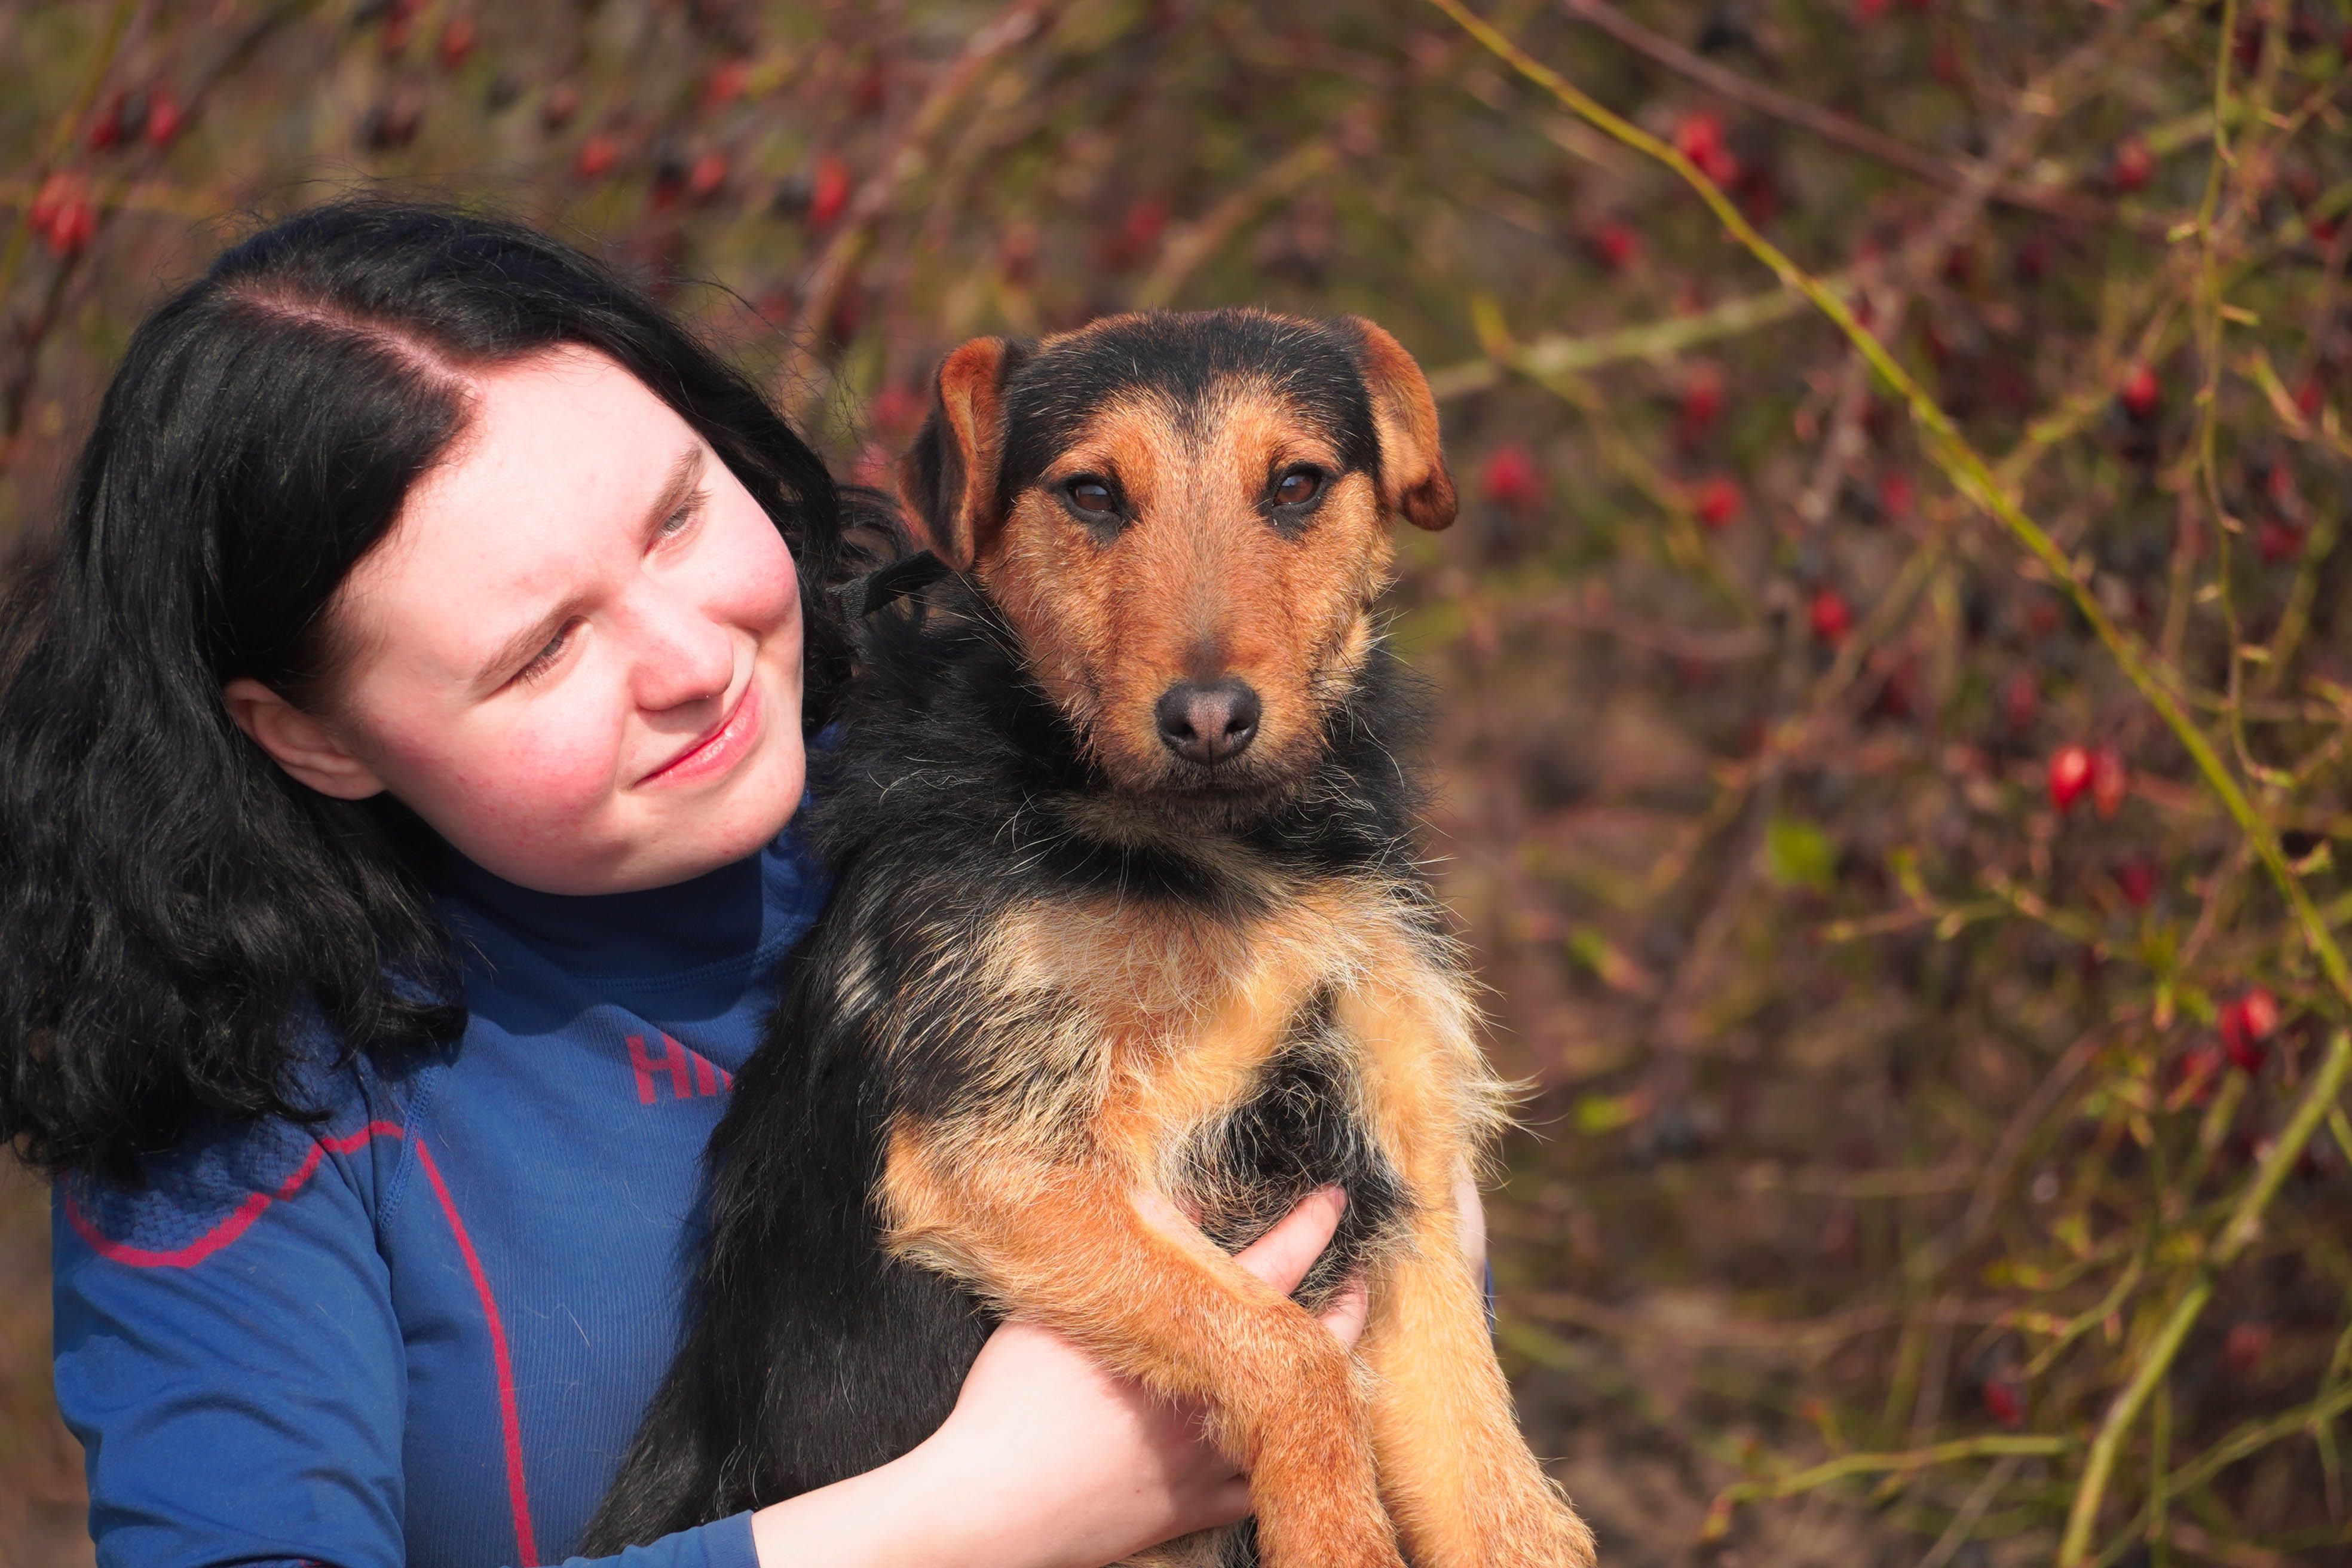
(718, 749)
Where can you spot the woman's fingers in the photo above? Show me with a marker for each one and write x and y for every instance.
(1283, 1256)
(1473, 1215)
(1349, 1311)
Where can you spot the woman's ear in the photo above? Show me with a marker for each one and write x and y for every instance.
(1413, 477)
(948, 479)
(305, 747)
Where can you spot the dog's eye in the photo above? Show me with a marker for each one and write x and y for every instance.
(1091, 496)
(1298, 487)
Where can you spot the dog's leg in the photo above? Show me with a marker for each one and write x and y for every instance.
(1460, 1482)
(1071, 1247)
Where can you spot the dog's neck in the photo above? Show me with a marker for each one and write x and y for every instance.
(946, 732)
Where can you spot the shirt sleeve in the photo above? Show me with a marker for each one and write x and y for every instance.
(228, 1354)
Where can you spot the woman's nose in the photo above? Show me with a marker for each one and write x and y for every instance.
(682, 655)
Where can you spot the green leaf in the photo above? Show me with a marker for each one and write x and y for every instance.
(1798, 853)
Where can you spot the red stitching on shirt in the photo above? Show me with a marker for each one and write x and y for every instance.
(239, 1220)
(510, 1418)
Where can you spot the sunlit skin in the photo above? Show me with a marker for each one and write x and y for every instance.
(577, 656)
(578, 595)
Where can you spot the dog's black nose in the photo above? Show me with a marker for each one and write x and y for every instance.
(1208, 723)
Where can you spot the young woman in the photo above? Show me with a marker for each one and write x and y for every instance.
(399, 736)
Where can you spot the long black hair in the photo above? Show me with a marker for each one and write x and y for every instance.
(169, 898)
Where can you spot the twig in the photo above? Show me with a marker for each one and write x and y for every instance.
(1718, 1513)
(1650, 341)
(1968, 472)
(899, 166)
(1187, 250)
(1956, 1534)
(2243, 1224)
(1831, 126)
(61, 136)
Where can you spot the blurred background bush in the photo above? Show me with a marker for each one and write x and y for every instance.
(1897, 811)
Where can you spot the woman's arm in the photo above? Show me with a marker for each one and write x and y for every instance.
(1048, 1461)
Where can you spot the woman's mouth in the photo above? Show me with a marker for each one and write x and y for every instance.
(718, 750)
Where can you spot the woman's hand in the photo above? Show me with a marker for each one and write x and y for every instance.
(1048, 1460)
(1085, 1467)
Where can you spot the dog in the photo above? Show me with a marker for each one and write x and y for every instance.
(1128, 951)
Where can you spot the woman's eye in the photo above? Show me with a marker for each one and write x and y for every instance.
(1298, 487)
(1090, 496)
(679, 521)
(544, 659)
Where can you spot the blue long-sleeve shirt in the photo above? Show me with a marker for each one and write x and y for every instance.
(422, 1331)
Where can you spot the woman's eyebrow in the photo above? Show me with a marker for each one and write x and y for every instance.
(684, 473)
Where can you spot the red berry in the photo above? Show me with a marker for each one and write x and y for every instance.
(726, 82)
(2110, 781)
(2247, 1023)
(2070, 775)
(2310, 396)
(1699, 138)
(62, 214)
(2136, 878)
(2199, 1068)
(1510, 478)
(872, 88)
(597, 156)
(829, 190)
(2021, 699)
(1869, 10)
(1615, 244)
(1720, 501)
(2277, 542)
(47, 199)
(709, 172)
(1134, 237)
(2031, 260)
(1702, 402)
(458, 36)
(2243, 1347)
(2141, 392)
(164, 117)
(2004, 1400)
(1831, 617)
(1894, 494)
(107, 128)
(2134, 165)
(562, 101)
(1698, 135)
(71, 229)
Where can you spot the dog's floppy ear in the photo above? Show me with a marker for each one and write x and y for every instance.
(1413, 478)
(948, 479)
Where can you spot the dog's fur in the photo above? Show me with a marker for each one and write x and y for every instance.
(1086, 1012)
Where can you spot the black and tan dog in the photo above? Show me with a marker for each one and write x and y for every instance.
(1128, 926)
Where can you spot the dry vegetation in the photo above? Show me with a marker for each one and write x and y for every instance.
(1895, 672)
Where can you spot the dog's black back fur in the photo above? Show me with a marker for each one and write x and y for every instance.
(812, 1355)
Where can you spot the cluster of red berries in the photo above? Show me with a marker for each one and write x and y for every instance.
(152, 116)
(63, 214)
(2103, 775)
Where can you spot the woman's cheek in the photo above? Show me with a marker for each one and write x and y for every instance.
(752, 582)
(541, 780)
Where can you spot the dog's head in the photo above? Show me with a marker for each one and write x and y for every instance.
(1185, 518)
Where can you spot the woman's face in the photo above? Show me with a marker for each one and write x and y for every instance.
(577, 655)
